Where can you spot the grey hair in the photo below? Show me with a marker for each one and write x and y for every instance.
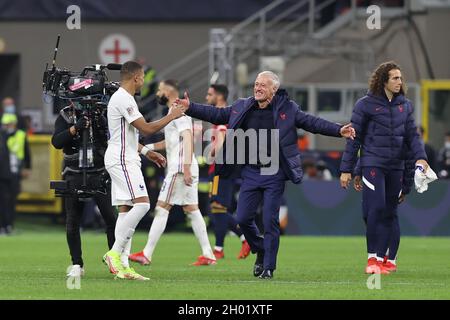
(273, 76)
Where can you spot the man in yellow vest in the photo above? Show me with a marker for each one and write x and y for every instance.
(20, 164)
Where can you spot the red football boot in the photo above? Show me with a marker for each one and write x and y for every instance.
(203, 261)
(375, 267)
(245, 250)
(140, 258)
(219, 254)
(389, 266)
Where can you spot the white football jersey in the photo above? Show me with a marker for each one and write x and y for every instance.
(175, 147)
(123, 140)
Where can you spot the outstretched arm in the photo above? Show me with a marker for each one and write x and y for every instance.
(205, 112)
(318, 125)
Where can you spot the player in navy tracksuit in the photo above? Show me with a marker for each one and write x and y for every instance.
(384, 122)
(270, 108)
(390, 259)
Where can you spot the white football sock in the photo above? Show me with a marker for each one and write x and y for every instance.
(125, 226)
(242, 237)
(199, 228)
(119, 229)
(119, 221)
(158, 226)
(126, 252)
(394, 262)
(218, 248)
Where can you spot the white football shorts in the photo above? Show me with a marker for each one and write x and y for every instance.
(127, 183)
(175, 192)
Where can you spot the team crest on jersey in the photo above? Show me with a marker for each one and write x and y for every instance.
(141, 187)
(130, 110)
(400, 108)
(372, 173)
(283, 116)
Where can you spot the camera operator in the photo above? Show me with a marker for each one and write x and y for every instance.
(68, 134)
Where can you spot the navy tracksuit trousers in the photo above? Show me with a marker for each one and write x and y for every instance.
(394, 242)
(380, 200)
(254, 189)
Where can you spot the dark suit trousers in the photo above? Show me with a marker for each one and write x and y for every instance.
(254, 189)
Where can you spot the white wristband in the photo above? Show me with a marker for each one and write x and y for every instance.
(150, 146)
(144, 150)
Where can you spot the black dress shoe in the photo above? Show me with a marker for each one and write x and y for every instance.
(258, 268)
(266, 274)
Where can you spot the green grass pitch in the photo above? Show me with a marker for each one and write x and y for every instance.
(33, 264)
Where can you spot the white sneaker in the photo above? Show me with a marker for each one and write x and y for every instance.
(75, 271)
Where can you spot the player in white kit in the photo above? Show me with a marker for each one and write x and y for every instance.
(123, 163)
(180, 186)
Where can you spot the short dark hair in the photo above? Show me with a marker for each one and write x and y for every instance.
(129, 69)
(172, 83)
(447, 134)
(220, 89)
(381, 75)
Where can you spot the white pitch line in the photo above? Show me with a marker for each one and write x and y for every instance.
(234, 282)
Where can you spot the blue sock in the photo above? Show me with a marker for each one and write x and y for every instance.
(220, 227)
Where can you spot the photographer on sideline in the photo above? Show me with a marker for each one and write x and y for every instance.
(69, 126)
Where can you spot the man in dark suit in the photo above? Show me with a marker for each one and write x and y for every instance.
(272, 119)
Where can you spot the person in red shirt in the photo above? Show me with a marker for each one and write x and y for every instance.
(223, 189)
